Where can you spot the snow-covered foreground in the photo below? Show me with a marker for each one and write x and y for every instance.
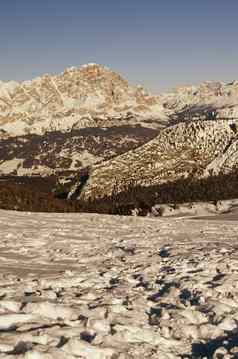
(110, 287)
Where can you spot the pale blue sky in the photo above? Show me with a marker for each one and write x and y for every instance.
(159, 44)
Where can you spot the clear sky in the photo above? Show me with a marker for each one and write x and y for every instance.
(157, 43)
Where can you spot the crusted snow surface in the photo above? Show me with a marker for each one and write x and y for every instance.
(95, 286)
(195, 209)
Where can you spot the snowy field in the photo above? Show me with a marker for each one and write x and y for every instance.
(110, 287)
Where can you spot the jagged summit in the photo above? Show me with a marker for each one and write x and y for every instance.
(72, 69)
(88, 96)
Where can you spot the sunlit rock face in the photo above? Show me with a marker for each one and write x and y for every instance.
(88, 96)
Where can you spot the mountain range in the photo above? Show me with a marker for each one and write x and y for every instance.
(89, 96)
(91, 116)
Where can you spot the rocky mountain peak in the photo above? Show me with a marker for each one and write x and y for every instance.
(88, 96)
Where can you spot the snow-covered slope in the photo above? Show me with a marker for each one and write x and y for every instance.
(187, 102)
(109, 287)
(227, 162)
(178, 151)
(58, 152)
